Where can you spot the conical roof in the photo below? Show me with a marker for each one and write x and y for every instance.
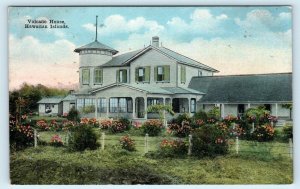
(96, 45)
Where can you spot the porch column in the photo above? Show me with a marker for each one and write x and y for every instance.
(249, 106)
(133, 107)
(96, 108)
(276, 110)
(164, 118)
(222, 110)
(145, 107)
(189, 106)
(107, 107)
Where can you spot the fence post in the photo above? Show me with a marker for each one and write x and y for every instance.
(146, 143)
(67, 138)
(272, 124)
(237, 145)
(290, 148)
(35, 137)
(252, 127)
(103, 141)
(233, 126)
(190, 145)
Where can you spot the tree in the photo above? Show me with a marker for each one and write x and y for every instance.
(161, 110)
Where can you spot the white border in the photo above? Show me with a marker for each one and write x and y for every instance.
(4, 157)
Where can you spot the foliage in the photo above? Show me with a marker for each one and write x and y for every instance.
(264, 133)
(127, 143)
(152, 127)
(181, 130)
(229, 119)
(83, 137)
(125, 122)
(209, 140)
(214, 113)
(160, 108)
(287, 132)
(105, 123)
(73, 114)
(20, 133)
(171, 148)
(200, 115)
(88, 109)
(56, 141)
(180, 118)
(287, 106)
(118, 126)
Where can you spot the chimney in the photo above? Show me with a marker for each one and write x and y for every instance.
(155, 41)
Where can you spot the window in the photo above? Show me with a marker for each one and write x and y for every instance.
(199, 73)
(193, 105)
(122, 76)
(160, 74)
(101, 105)
(98, 76)
(85, 76)
(113, 105)
(142, 74)
(80, 103)
(183, 74)
(153, 101)
(122, 105)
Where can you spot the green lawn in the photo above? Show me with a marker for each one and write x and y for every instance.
(56, 165)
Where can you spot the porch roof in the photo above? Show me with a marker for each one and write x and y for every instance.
(150, 89)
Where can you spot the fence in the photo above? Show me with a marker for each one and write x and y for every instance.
(236, 146)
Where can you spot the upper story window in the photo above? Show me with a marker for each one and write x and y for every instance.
(162, 73)
(122, 76)
(199, 72)
(98, 76)
(183, 74)
(142, 74)
(85, 76)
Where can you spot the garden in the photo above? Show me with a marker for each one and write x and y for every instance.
(198, 149)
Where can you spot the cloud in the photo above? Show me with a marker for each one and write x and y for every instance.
(116, 24)
(35, 62)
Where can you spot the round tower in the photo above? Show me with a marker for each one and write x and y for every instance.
(91, 57)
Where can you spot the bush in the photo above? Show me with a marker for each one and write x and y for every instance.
(73, 115)
(200, 115)
(83, 137)
(209, 140)
(287, 132)
(153, 127)
(56, 141)
(263, 133)
(180, 118)
(125, 122)
(180, 130)
(171, 148)
(117, 126)
(214, 114)
(105, 123)
(127, 143)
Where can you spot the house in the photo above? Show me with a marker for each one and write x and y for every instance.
(50, 106)
(234, 94)
(125, 85)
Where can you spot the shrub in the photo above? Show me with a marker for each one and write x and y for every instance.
(171, 148)
(263, 133)
(125, 122)
(180, 118)
(73, 115)
(180, 130)
(117, 126)
(153, 127)
(214, 113)
(42, 125)
(68, 125)
(105, 123)
(287, 132)
(229, 119)
(209, 140)
(93, 122)
(21, 134)
(56, 141)
(200, 115)
(83, 137)
(127, 143)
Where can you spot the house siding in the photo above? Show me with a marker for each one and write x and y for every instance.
(190, 73)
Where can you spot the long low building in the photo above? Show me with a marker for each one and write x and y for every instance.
(234, 94)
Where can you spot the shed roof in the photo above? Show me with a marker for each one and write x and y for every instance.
(50, 100)
(244, 88)
(96, 45)
(69, 97)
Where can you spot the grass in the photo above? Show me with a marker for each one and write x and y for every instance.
(47, 118)
(56, 165)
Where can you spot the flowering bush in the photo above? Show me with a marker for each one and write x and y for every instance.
(93, 122)
(117, 126)
(42, 125)
(237, 131)
(264, 133)
(209, 140)
(55, 126)
(20, 133)
(181, 130)
(230, 119)
(68, 125)
(170, 148)
(153, 127)
(56, 141)
(127, 143)
(105, 123)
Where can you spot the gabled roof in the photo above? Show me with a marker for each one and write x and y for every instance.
(69, 97)
(50, 100)
(96, 45)
(244, 88)
(126, 58)
(181, 90)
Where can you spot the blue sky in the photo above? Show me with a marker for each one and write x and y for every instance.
(234, 40)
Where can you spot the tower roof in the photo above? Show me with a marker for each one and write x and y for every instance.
(96, 45)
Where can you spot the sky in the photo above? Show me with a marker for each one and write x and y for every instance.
(233, 40)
